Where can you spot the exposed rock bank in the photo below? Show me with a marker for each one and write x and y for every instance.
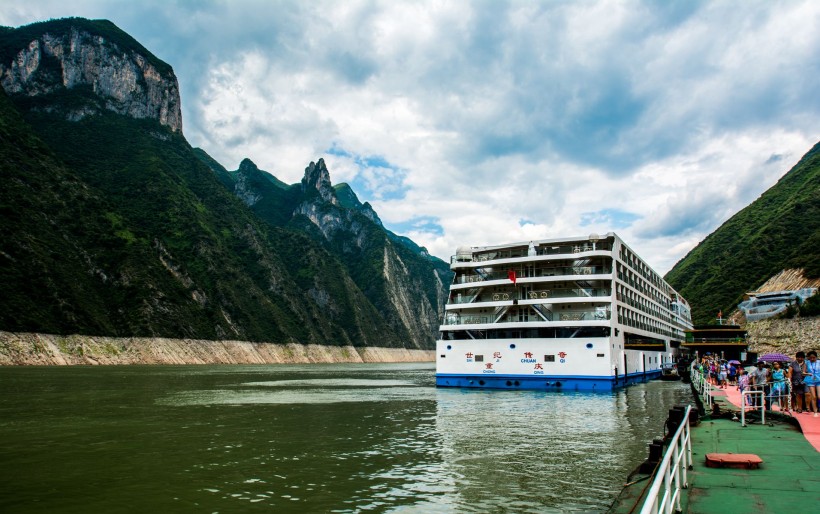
(46, 349)
(784, 335)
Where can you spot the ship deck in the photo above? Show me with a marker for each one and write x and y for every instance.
(787, 480)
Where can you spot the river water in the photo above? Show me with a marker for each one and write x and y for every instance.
(312, 438)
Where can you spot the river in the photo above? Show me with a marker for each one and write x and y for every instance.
(312, 438)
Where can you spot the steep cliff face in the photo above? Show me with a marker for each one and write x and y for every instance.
(65, 55)
(402, 281)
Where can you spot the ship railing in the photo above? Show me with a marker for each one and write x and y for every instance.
(541, 250)
(670, 478)
(585, 315)
(590, 292)
(536, 273)
(542, 294)
(466, 320)
(575, 315)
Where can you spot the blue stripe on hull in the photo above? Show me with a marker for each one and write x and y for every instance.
(543, 383)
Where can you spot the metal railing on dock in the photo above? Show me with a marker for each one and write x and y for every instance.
(703, 386)
(670, 477)
(779, 391)
(747, 394)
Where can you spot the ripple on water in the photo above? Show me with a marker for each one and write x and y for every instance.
(332, 382)
(287, 396)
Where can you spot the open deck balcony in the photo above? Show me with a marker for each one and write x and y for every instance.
(539, 294)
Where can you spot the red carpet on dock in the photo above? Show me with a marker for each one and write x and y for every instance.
(809, 424)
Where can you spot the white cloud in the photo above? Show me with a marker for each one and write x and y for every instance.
(499, 121)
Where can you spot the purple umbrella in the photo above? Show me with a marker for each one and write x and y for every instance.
(734, 362)
(775, 357)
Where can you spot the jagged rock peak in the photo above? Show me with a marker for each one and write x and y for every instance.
(247, 165)
(317, 177)
(368, 211)
(47, 57)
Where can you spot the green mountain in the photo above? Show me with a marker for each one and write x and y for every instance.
(779, 230)
(397, 276)
(113, 225)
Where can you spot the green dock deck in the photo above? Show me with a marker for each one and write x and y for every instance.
(788, 480)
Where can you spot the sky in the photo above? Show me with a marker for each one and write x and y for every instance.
(470, 123)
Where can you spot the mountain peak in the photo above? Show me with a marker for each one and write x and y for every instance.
(103, 65)
(318, 178)
(247, 165)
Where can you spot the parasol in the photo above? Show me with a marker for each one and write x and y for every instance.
(775, 357)
(733, 361)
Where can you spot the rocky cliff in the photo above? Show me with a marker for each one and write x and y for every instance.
(784, 335)
(405, 284)
(96, 57)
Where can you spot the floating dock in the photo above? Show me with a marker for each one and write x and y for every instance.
(786, 479)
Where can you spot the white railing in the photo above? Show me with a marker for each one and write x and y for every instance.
(785, 387)
(703, 386)
(748, 394)
(670, 478)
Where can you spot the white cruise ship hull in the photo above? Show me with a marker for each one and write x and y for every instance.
(557, 315)
(544, 364)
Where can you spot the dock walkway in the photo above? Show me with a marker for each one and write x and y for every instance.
(788, 480)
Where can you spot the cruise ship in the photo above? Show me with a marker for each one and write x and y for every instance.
(580, 313)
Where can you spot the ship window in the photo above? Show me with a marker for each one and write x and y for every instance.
(443, 356)
(479, 358)
(512, 347)
(600, 355)
(549, 358)
(449, 347)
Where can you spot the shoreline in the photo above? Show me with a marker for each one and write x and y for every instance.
(34, 349)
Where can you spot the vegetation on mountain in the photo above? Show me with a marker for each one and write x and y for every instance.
(113, 225)
(136, 237)
(779, 230)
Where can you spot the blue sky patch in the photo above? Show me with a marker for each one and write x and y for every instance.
(609, 218)
(426, 224)
(376, 179)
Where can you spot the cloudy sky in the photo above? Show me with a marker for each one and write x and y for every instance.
(472, 123)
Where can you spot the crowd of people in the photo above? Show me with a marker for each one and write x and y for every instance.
(793, 385)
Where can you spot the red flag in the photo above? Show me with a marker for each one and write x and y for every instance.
(511, 275)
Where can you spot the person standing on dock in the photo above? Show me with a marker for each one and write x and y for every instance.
(723, 375)
(777, 389)
(812, 381)
(743, 383)
(758, 378)
(797, 370)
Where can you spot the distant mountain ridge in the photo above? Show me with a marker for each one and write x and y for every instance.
(113, 225)
(780, 230)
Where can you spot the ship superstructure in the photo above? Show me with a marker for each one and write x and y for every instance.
(580, 313)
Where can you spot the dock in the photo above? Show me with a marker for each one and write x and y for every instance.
(788, 478)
